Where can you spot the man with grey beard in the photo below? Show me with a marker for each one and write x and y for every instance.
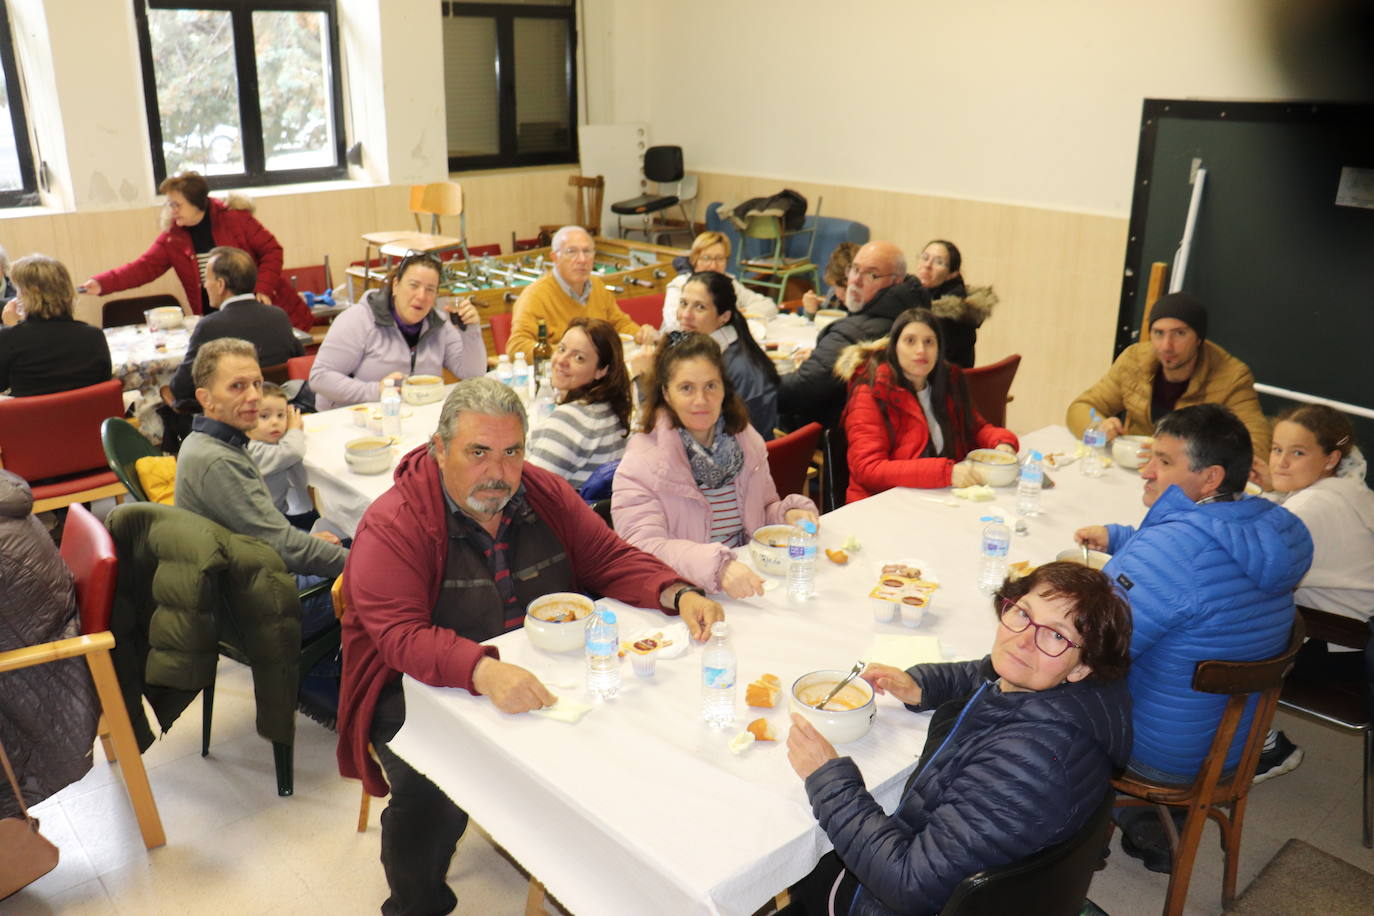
(446, 559)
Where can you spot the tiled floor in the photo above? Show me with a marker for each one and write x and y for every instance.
(235, 847)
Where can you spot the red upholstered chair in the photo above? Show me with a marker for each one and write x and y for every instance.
(89, 552)
(312, 279)
(500, 331)
(298, 367)
(989, 387)
(789, 458)
(56, 438)
(644, 309)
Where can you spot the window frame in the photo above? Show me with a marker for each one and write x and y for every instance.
(255, 173)
(26, 195)
(505, 15)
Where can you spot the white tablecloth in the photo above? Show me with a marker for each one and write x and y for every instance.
(146, 360)
(640, 808)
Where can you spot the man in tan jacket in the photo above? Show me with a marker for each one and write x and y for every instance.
(1177, 367)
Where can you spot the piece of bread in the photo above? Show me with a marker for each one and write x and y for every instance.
(760, 730)
(764, 692)
(838, 557)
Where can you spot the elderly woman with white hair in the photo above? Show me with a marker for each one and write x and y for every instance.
(569, 290)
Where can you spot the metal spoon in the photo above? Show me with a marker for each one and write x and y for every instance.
(853, 673)
(1085, 554)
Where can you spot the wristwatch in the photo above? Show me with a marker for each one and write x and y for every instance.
(677, 599)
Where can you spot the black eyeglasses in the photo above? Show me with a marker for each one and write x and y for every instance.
(673, 338)
(1047, 639)
(427, 258)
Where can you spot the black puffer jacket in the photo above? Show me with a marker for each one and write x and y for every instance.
(1018, 772)
(961, 312)
(48, 713)
(814, 392)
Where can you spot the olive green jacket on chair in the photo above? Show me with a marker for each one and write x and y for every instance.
(185, 584)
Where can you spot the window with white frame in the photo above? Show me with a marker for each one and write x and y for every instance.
(18, 185)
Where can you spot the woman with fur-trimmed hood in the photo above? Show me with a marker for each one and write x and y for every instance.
(909, 419)
(192, 224)
(961, 310)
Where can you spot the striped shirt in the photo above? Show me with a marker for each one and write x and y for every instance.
(575, 440)
(727, 525)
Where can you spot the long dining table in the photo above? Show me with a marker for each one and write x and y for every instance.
(640, 806)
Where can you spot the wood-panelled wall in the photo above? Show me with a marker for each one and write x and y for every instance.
(1058, 275)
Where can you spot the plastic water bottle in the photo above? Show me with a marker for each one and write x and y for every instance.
(801, 570)
(504, 373)
(718, 678)
(544, 403)
(1028, 487)
(520, 377)
(391, 409)
(1095, 441)
(603, 654)
(994, 546)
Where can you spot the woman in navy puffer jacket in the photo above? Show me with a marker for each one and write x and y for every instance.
(1019, 753)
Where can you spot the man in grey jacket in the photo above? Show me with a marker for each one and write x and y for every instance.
(217, 479)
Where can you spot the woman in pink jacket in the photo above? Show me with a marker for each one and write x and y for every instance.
(694, 483)
(193, 223)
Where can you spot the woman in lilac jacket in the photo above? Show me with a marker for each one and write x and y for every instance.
(694, 483)
(396, 331)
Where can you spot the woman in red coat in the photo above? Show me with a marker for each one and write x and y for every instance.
(909, 419)
(194, 223)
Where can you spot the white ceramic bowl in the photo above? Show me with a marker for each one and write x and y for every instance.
(1096, 558)
(368, 455)
(558, 637)
(839, 726)
(1126, 450)
(422, 389)
(828, 316)
(164, 317)
(999, 469)
(768, 557)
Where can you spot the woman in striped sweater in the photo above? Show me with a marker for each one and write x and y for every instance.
(694, 482)
(592, 419)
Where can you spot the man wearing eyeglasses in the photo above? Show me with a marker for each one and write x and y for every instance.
(879, 290)
(1209, 574)
(568, 291)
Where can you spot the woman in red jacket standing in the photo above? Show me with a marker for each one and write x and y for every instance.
(909, 419)
(194, 223)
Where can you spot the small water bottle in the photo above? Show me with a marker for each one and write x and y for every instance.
(504, 373)
(1095, 441)
(544, 403)
(801, 568)
(603, 654)
(994, 547)
(718, 678)
(391, 409)
(1028, 487)
(520, 377)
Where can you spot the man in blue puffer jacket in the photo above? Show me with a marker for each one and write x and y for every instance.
(1209, 574)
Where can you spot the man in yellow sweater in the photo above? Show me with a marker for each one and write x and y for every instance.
(568, 291)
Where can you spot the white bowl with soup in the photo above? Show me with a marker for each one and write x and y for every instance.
(422, 389)
(768, 547)
(557, 622)
(164, 317)
(847, 717)
(1096, 558)
(368, 455)
(1131, 451)
(829, 316)
(997, 468)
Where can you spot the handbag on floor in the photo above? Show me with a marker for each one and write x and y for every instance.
(28, 854)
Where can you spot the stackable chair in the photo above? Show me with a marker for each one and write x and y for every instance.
(644, 309)
(774, 269)
(298, 367)
(662, 166)
(790, 458)
(123, 445)
(989, 387)
(116, 313)
(591, 193)
(55, 438)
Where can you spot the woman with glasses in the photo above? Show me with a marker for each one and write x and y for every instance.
(711, 251)
(589, 426)
(694, 482)
(1018, 756)
(708, 306)
(193, 223)
(396, 331)
(909, 419)
(961, 310)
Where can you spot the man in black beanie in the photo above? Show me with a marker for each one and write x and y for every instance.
(1177, 367)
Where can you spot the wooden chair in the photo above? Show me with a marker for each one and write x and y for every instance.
(1212, 790)
(1052, 882)
(123, 445)
(989, 388)
(1345, 705)
(55, 438)
(643, 309)
(591, 194)
(774, 270)
(790, 458)
(298, 367)
(116, 313)
(437, 200)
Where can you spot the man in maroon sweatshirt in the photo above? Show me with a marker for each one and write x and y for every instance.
(445, 559)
